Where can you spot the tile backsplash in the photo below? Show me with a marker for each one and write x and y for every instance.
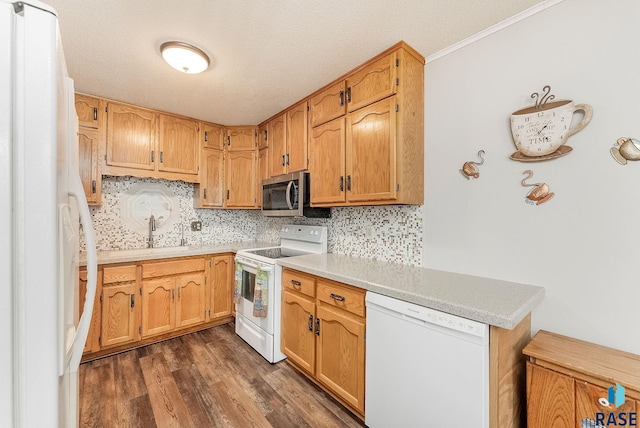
(388, 233)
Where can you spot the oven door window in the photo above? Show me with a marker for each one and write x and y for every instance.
(248, 284)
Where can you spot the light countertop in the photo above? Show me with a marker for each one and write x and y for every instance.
(490, 301)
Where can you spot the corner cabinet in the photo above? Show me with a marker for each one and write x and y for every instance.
(228, 168)
(323, 334)
(372, 151)
(568, 382)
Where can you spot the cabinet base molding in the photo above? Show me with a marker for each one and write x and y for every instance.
(155, 339)
(336, 397)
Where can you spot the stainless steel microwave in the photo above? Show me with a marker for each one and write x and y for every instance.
(288, 196)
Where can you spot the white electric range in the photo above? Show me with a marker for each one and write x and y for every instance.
(263, 333)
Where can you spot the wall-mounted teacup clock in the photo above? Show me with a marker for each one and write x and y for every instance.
(541, 131)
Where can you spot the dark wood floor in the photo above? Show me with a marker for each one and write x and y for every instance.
(206, 379)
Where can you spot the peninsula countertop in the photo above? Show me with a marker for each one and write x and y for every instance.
(491, 301)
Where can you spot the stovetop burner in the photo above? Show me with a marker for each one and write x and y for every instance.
(277, 252)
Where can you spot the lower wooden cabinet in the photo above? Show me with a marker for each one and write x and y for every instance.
(568, 383)
(93, 338)
(323, 334)
(222, 270)
(118, 306)
(142, 302)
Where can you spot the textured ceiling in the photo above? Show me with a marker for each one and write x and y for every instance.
(266, 55)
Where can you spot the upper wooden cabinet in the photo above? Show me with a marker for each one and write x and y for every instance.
(212, 136)
(89, 111)
(209, 193)
(178, 145)
(145, 143)
(240, 179)
(131, 137)
(88, 147)
(263, 136)
(328, 104)
(277, 131)
(372, 82)
(288, 143)
(365, 134)
(263, 173)
(240, 138)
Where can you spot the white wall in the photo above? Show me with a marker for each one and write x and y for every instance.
(583, 246)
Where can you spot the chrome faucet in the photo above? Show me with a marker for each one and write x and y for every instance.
(152, 227)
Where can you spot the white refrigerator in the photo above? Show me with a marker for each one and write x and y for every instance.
(42, 205)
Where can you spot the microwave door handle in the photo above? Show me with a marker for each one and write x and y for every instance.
(289, 195)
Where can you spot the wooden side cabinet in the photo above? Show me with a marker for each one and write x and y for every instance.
(569, 383)
(119, 306)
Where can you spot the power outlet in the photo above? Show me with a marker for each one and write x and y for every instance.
(196, 226)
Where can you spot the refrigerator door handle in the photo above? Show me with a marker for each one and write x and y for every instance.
(77, 191)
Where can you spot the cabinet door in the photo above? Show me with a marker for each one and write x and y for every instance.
(88, 163)
(263, 136)
(328, 104)
(158, 306)
(340, 354)
(213, 193)
(241, 138)
(89, 111)
(240, 172)
(550, 398)
(92, 344)
(190, 302)
(372, 83)
(297, 153)
(297, 336)
(179, 145)
(587, 405)
(278, 145)
(222, 277)
(131, 137)
(263, 173)
(118, 314)
(327, 162)
(212, 136)
(371, 152)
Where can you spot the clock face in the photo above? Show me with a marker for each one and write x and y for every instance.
(539, 132)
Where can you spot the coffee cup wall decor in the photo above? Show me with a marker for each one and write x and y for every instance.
(540, 192)
(626, 149)
(470, 170)
(541, 131)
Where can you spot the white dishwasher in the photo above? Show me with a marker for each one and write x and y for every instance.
(424, 368)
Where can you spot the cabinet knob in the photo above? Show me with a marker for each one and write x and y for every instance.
(205, 194)
(206, 136)
(153, 156)
(296, 283)
(349, 183)
(282, 160)
(95, 113)
(93, 186)
(317, 326)
(349, 94)
(310, 325)
(342, 183)
(341, 98)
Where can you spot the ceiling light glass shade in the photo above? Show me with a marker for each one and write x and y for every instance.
(184, 57)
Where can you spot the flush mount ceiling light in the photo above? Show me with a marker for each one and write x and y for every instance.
(184, 57)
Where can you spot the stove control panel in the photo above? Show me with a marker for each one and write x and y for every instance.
(305, 233)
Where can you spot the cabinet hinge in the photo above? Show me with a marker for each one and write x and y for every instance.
(141, 291)
(198, 168)
(397, 107)
(140, 329)
(100, 340)
(397, 62)
(397, 81)
(397, 187)
(308, 107)
(101, 296)
(209, 313)
(106, 109)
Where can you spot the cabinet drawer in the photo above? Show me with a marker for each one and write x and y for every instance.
(348, 298)
(116, 274)
(151, 270)
(300, 282)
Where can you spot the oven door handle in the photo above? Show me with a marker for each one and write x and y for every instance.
(255, 266)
